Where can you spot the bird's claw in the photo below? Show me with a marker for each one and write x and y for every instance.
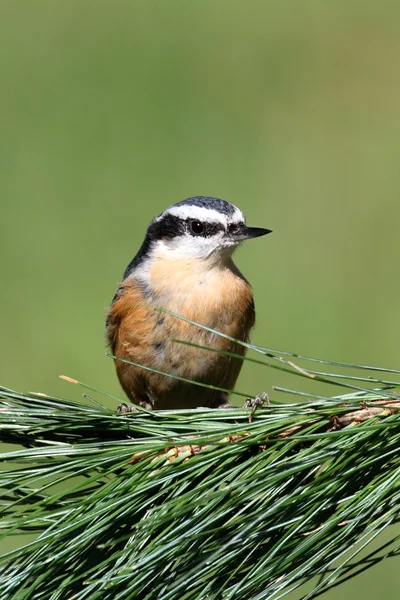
(254, 403)
(126, 408)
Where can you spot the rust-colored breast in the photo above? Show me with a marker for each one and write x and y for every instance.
(220, 299)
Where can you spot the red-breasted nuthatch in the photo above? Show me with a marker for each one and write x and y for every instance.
(184, 266)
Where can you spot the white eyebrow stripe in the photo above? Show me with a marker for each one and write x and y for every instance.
(203, 214)
(237, 217)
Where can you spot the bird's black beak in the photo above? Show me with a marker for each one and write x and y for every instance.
(242, 232)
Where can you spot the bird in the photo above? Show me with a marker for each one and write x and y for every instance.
(184, 266)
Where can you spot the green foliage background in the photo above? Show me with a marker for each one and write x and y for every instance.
(111, 111)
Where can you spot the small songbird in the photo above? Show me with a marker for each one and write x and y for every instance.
(184, 266)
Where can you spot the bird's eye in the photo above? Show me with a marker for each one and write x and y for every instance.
(233, 228)
(196, 227)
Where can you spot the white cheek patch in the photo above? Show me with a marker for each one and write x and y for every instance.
(193, 246)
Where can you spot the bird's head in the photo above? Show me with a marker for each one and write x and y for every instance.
(201, 227)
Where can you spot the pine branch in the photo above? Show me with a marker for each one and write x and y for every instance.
(199, 504)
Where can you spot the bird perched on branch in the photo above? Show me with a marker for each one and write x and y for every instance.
(183, 266)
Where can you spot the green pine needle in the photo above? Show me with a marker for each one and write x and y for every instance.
(200, 504)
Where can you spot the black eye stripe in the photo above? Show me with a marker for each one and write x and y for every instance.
(203, 228)
(168, 227)
(172, 226)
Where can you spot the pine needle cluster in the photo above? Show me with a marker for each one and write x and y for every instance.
(200, 504)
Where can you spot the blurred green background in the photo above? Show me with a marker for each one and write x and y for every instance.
(111, 111)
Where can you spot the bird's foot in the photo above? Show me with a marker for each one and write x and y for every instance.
(254, 403)
(126, 408)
